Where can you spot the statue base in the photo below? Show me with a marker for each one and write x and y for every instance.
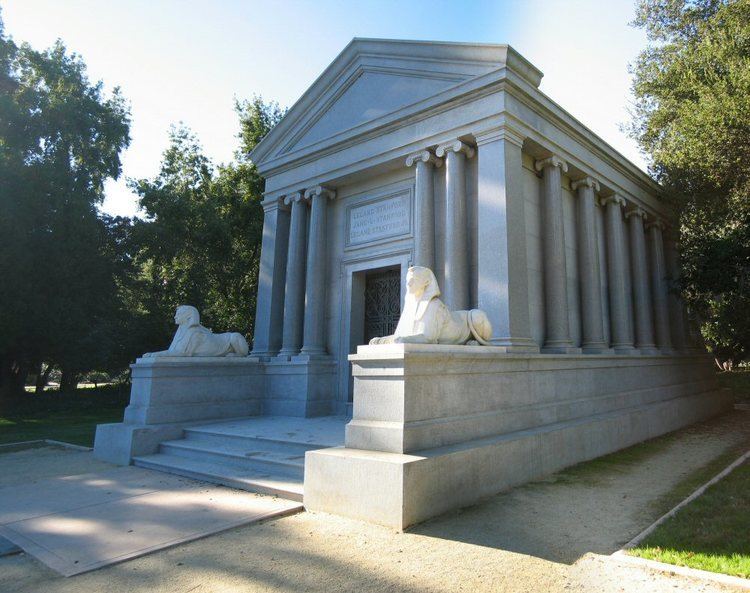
(169, 393)
(436, 428)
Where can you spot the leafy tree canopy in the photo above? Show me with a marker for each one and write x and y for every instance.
(200, 241)
(692, 117)
(60, 139)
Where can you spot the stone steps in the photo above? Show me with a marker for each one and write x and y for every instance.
(238, 457)
(250, 480)
(206, 434)
(260, 454)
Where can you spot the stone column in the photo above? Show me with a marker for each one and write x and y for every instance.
(424, 240)
(294, 297)
(619, 299)
(456, 289)
(592, 315)
(677, 314)
(503, 275)
(269, 311)
(644, 325)
(659, 290)
(315, 293)
(557, 326)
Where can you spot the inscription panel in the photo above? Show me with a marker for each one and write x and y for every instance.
(377, 220)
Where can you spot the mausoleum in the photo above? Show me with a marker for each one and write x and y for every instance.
(449, 157)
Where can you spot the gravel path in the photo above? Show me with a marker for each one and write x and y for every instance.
(554, 535)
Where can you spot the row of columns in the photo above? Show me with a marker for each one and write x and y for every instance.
(291, 298)
(302, 320)
(502, 290)
(639, 298)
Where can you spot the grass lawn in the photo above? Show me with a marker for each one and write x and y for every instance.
(711, 533)
(70, 417)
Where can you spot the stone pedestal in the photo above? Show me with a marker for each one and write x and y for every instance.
(301, 387)
(168, 394)
(439, 427)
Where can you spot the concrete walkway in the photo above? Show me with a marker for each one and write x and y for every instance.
(549, 536)
(76, 523)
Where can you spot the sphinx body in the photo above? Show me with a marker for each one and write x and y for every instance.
(426, 320)
(192, 339)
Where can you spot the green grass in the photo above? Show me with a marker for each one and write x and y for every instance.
(711, 533)
(69, 417)
(739, 382)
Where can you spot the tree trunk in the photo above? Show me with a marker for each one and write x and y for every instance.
(12, 380)
(68, 381)
(42, 378)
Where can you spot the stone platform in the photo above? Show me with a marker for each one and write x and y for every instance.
(440, 427)
(262, 454)
(170, 394)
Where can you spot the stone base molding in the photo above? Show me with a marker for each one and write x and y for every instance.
(415, 448)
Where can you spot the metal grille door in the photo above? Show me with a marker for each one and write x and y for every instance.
(382, 303)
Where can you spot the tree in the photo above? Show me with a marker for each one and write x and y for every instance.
(692, 117)
(60, 139)
(200, 241)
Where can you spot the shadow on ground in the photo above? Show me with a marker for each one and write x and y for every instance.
(600, 505)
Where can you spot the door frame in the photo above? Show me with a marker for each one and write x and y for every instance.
(350, 284)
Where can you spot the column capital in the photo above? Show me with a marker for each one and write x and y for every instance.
(318, 191)
(614, 198)
(586, 182)
(551, 161)
(499, 133)
(637, 212)
(424, 156)
(271, 203)
(455, 146)
(293, 197)
(656, 222)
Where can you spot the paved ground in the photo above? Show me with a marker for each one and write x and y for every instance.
(76, 523)
(554, 535)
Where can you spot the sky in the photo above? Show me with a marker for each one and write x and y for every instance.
(186, 61)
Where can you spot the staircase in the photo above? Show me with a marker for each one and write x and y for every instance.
(263, 454)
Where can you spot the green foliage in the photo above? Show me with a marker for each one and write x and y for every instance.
(60, 139)
(692, 117)
(83, 291)
(200, 241)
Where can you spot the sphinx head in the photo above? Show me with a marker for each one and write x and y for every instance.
(187, 315)
(420, 281)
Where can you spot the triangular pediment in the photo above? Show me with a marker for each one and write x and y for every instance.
(372, 79)
(370, 95)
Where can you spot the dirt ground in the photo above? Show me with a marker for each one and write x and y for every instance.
(553, 535)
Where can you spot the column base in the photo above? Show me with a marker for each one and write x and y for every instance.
(311, 355)
(299, 387)
(600, 348)
(625, 349)
(510, 344)
(285, 355)
(560, 348)
(648, 350)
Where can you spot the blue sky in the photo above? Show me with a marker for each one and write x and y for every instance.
(183, 60)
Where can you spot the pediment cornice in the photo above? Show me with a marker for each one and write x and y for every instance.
(452, 63)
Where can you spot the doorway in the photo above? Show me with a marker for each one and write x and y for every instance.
(382, 306)
(371, 296)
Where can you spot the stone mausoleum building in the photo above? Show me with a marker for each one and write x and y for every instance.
(448, 156)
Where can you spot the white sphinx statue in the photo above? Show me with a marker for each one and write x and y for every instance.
(192, 339)
(426, 320)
